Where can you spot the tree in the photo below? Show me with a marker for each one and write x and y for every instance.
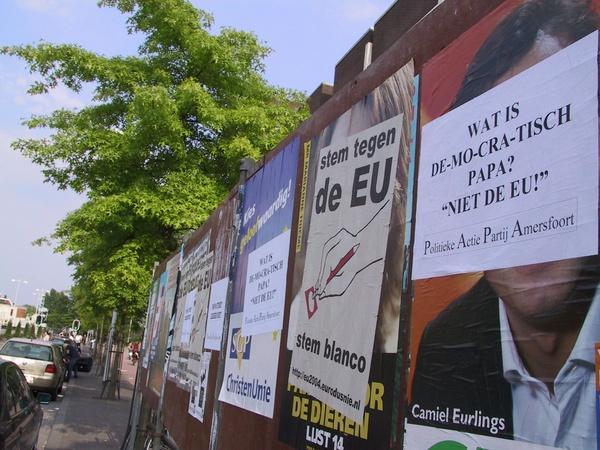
(26, 330)
(159, 147)
(61, 310)
(17, 330)
(9, 329)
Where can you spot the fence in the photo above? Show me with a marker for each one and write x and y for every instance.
(382, 279)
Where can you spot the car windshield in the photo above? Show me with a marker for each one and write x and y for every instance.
(27, 350)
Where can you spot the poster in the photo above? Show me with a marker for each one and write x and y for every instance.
(167, 291)
(309, 421)
(155, 379)
(148, 333)
(189, 283)
(198, 389)
(216, 315)
(161, 283)
(198, 325)
(430, 438)
(174, 336)
(482, 374)
(598, 393)
(347, 243)
(264, 298)
(495, 187)
(250, 374)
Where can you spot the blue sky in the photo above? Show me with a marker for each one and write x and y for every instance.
(308, 38)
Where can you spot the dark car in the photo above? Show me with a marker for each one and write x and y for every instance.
(85, 361)
(20, 413)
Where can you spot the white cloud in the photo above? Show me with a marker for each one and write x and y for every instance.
(59, 97)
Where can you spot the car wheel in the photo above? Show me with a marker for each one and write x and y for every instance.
(54, 393)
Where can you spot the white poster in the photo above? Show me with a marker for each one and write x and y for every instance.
(251, 373)
(216, 314)
(419, 436)
(514, 170)
(264, 298)
(192, 278)
(188, 312)
(343, 273)
(198, 325)
(197, 403)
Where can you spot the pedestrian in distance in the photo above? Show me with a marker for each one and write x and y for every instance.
(74, 355)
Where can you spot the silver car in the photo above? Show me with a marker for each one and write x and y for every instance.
(40, 362)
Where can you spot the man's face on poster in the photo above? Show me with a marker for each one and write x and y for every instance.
(537, 292)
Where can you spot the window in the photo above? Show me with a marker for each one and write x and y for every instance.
(27, 350)
(18, 395)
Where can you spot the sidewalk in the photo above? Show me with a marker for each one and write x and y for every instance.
(83, 421)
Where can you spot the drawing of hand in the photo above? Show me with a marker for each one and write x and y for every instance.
(340, 264)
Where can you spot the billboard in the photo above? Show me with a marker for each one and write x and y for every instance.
(348, 274)
(250, 374)
(505, 315)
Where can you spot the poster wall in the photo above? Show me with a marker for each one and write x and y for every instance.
(340, 385)
(250, 374)
(506, 238)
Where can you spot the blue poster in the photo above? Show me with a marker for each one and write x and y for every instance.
(251, 366)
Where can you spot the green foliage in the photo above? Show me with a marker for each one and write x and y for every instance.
(159, 147)
(27, 330)
(61, 310)
(17, 332)
(9, 329)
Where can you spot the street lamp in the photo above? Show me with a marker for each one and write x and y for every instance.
(14, 280)
(40, 293)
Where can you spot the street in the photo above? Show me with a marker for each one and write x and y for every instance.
(79, 419)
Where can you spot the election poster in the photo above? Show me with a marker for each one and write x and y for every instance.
(203, 263)
(598, 392)
(174, 335)
(348, 274)
(190, 282)
(506, 312)
(223, 245)
(197, 404)
(148, 333)
(250, 374)
(216, 314)
(167, 290)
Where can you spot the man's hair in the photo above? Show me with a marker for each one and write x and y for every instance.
(513, 38)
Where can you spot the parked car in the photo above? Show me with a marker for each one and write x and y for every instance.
(40, 362)
(85, 361)
(62, 356)
(20, 413)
